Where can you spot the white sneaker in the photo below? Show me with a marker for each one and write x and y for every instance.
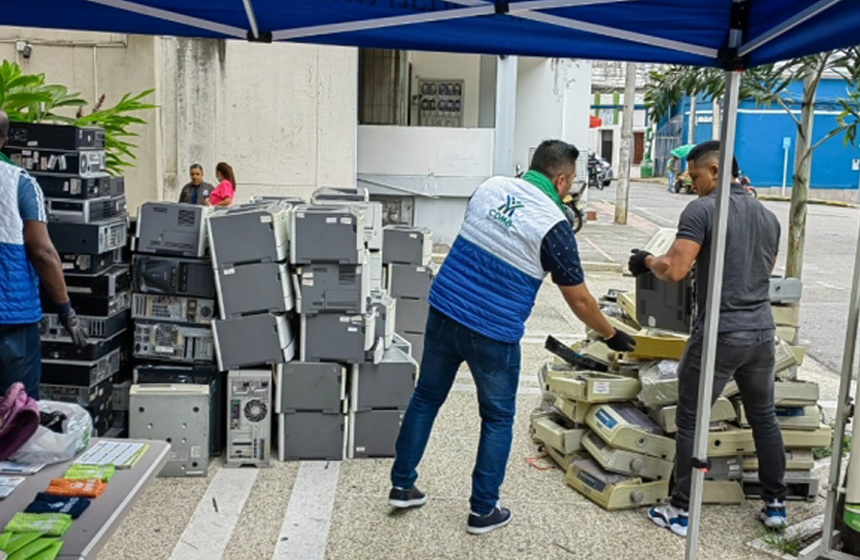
(773, 515)
(670, 517)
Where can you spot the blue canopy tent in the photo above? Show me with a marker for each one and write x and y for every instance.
(730, 34)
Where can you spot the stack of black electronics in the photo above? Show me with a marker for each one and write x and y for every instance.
(88, 225)
(173, 305)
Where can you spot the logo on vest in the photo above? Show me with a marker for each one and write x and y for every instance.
(504, 213)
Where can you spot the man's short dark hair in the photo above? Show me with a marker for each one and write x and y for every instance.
(707, 150)
(195, 166)
(552, 157)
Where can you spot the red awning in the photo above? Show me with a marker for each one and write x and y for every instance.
(594, 122)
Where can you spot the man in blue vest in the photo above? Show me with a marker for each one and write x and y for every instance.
(26, 255)
(513, 235)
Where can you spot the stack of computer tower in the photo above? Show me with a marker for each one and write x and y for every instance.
(407, 255)
(177, 394)
(255, 331)
(88, 224)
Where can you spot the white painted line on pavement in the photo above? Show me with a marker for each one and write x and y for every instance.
(209, 531)
(304, 533)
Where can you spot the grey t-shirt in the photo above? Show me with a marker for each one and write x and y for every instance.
(752, 243)
(192, 194)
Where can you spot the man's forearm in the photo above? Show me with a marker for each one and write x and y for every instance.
(588, 311)
(50, 270)
(661, 267)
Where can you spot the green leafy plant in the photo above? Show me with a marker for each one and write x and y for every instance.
(824, 452)
(783, 543)
(27, 97)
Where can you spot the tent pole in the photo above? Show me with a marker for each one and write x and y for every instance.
(712, 308)
(506, 115)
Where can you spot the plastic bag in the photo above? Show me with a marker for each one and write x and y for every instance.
(659, 384)
(49, 447)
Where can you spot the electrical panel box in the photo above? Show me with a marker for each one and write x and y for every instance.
(785, 290)
(246, 289)
(409, 281)
(386, 385)
(153, 274)
(249, 421)
(335, 337)
(173, 342)
(170, 228)
(253, 340)
(412, 315)
(312, 436)
(386, 316)
(179, 415)
(373, 433)
(441, 103)
(664, 305)
(208, 376)
(173, 309)
(332, 287)
(249, 233)
(310, 387)
(329, 233)
(407, 245)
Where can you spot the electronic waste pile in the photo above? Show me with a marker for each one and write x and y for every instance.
(277, 326)
(608, 419)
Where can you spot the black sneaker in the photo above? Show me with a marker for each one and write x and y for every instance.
(480, 524)
(400, 498)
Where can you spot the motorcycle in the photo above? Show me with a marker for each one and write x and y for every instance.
(599, 172)
(575, 209)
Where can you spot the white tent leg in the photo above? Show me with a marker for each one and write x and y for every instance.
(712, 308)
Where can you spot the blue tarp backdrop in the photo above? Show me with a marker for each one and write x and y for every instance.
(671, 31)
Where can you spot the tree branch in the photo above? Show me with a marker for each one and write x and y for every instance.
(828, 136)
(788, 110)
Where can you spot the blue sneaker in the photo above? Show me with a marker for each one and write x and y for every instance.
(402, 498)
(773, 515)
(670, 517)
(480, 524)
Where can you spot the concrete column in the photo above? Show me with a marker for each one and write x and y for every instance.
(506, 115)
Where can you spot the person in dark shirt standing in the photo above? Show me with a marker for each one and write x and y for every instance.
(197, 191)
(745, 344)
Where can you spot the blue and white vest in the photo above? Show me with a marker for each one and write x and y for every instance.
(19, 285)
(491, 277)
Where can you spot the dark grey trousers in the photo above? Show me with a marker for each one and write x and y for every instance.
(749, 357)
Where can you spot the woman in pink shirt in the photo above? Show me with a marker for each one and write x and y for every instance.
(223, 194)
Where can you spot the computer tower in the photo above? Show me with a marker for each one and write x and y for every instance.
(246, 289)
(92, 239)
(407, 245)
(249, 421)
(252, 341)
(335, 337)
(173, 342)
(373, 433)
(411, 281)
(209, 376)
(312, 436)
(173, 309)
(55, 136)
(177, 276)
(178, 414)
(310, 387)
(664, 305)
(332, 287)
(386, 385)
(169, 228)
(249, 234)
(330, 233)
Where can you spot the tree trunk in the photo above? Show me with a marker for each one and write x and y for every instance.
(622, 194)
(800, 179)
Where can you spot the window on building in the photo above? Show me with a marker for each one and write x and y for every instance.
(383, 87)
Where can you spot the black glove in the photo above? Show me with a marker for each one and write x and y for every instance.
(636, 264)
(620, 342)
(73, 325)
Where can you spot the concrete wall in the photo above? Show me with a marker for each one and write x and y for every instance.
(447, 66)
(552, 102)
(283, 116)
(96, 64)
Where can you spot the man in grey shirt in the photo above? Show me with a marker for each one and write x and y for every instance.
(745, 347)
(197, 191)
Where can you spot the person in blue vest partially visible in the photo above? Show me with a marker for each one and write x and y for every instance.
(26, 255)
(514, 234)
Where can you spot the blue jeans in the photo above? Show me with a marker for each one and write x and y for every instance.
(495, 367)
(20, 357)
(671, 176)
